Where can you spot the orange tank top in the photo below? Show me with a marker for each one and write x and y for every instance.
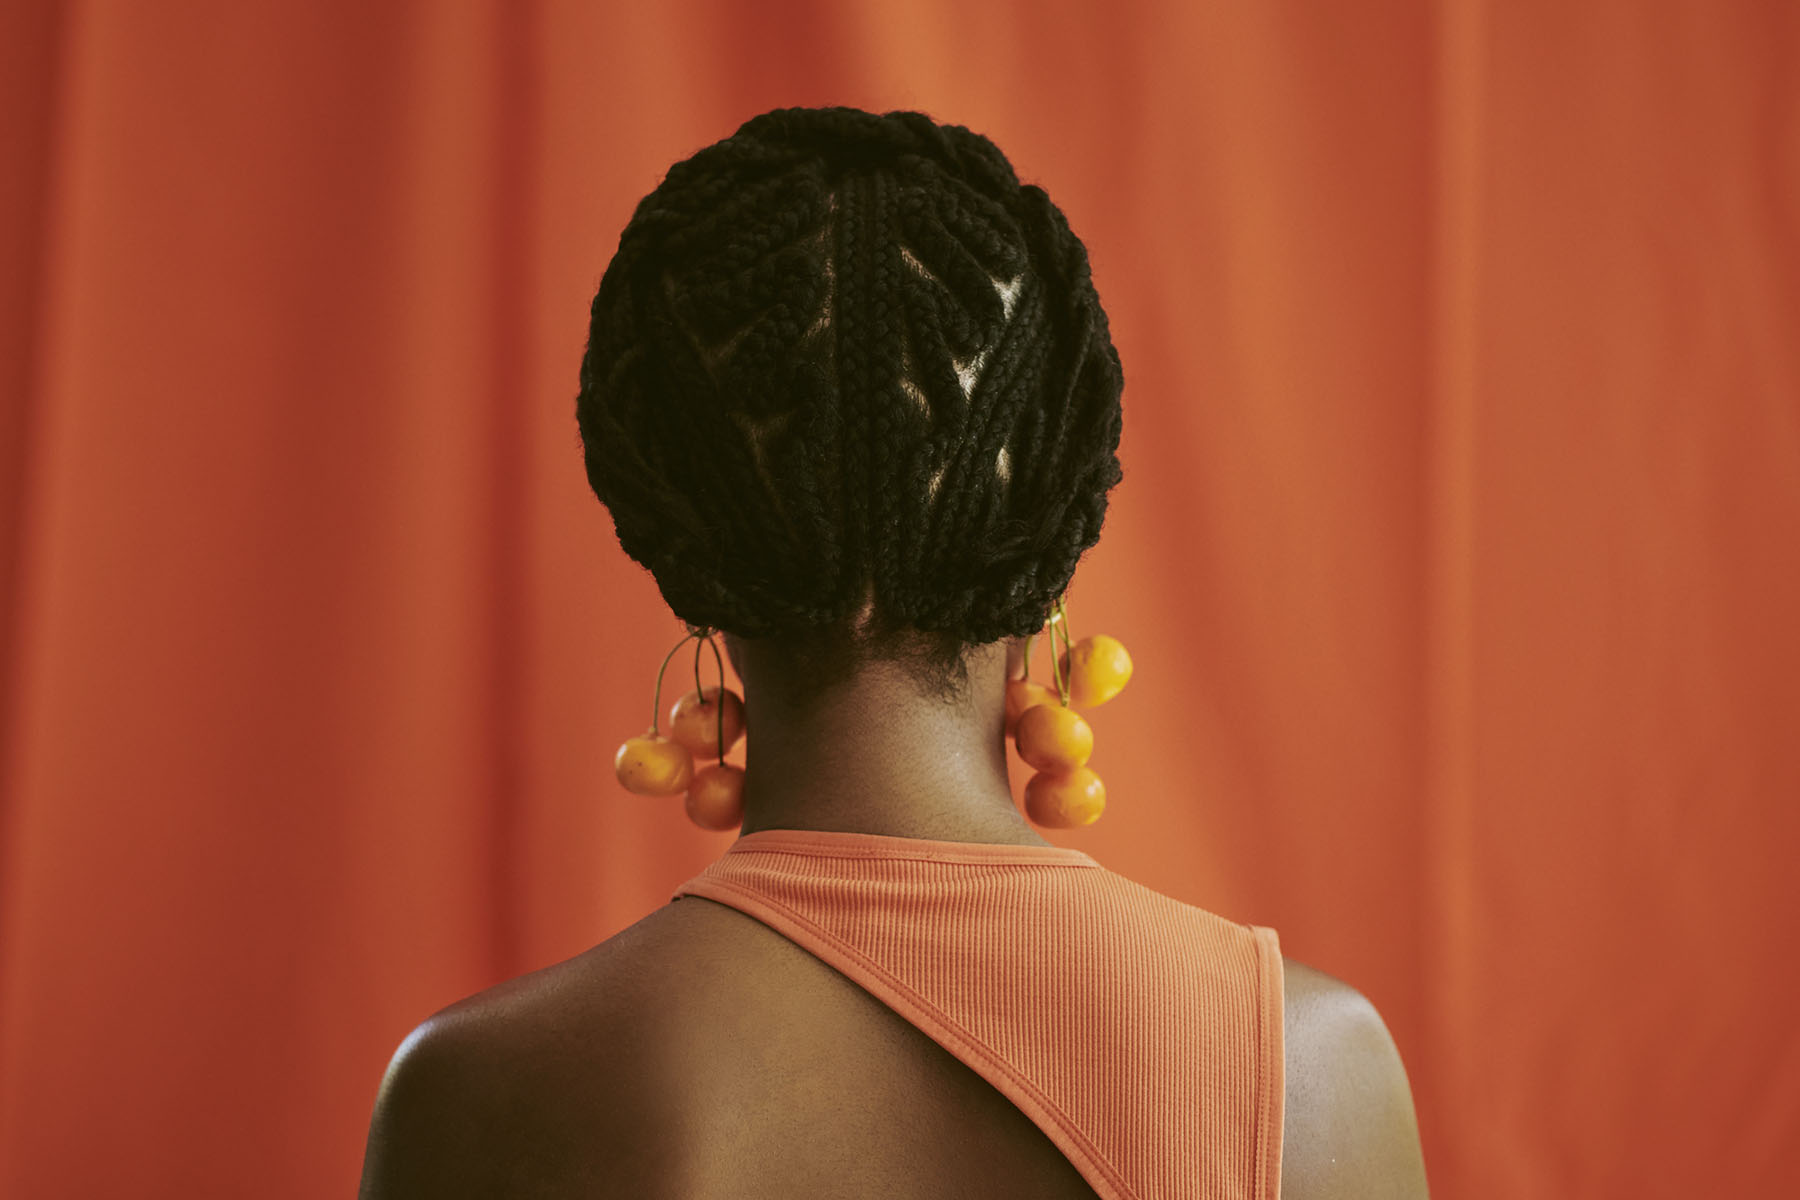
(1141, 1034)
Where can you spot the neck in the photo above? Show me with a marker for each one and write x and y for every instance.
(875, 756)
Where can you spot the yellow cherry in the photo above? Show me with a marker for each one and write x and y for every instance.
(1097, 669)
(715, 799)
(1054, 738)
(1065, 800)
(652, 765)
(694, 721)
(1022, 694)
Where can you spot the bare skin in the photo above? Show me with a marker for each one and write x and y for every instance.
(699, 1054)
(873, 756)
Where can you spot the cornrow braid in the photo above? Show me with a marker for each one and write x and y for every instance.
(845, 373)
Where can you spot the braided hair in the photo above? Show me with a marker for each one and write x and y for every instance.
(848, 384)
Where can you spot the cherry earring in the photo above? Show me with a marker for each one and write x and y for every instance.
(1051, 736)
(705, 723)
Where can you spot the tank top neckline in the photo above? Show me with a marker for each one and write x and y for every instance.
(832, 843)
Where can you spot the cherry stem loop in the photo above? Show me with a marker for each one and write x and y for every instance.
(1059, 624)
(656, 699)
(719, 663)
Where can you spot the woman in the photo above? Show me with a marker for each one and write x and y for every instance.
(850, 396)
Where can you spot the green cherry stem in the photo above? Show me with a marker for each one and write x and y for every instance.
(656, 699)
(1059, 622)
(718, 662)
(698, 690)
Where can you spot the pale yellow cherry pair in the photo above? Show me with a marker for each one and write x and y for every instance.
(1052, 737)
(705, 723)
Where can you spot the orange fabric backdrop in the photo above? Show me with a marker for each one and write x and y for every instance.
(1459, 544)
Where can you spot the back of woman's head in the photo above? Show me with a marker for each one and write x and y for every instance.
(848, 384)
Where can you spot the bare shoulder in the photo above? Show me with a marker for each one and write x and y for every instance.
(529, 1084)
(1349, 1131)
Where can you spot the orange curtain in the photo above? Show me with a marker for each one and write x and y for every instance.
(1459, 543)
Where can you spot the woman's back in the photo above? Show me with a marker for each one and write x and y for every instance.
(850, 396)
(700, 1054)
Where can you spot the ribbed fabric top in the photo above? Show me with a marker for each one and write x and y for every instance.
(1141, 1034)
